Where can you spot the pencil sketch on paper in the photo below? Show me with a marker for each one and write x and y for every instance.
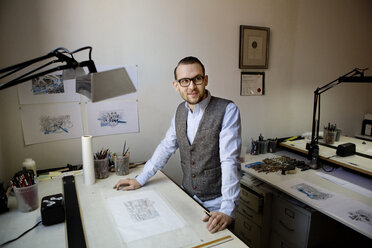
(49, 84)
(362, 216)
(111, 118)
(141, 209)
(57, 124)
(311, 192)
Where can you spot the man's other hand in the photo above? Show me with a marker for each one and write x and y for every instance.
(127, 184)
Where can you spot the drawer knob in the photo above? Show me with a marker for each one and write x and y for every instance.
(285, 226)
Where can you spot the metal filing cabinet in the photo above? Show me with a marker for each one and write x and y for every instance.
(295, 225)
(290, 224)
(252, 220)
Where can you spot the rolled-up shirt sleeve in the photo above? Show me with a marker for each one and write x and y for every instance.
(161, 155)
(230, 146)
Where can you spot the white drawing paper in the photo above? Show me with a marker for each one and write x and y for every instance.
(47, 89)
(112, 117)
(142, 214)
(51, 122)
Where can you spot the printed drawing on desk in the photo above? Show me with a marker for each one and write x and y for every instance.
(362, 216)
(142, 214)
(311, 192)
(112, 117)
(141, 209)
(356, 213)
(51, 122)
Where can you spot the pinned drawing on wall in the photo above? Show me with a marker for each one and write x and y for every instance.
(252, 84)
(48, 89)
(52, 122)
(112, 117)
(254, 47)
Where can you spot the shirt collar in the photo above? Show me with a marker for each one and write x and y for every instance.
(201, 105)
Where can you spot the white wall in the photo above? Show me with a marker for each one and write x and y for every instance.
(312, 43)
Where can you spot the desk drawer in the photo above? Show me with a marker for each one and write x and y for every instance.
(276, 241)
(290, 221)
(252, 215)
(248, 231)
(252, 200)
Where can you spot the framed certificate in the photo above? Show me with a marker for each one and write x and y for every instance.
(252, 84)
(254, 47)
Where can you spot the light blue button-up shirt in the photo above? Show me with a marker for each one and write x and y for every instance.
(230, 145)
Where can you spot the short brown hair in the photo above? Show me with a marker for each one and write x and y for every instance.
(187, 61)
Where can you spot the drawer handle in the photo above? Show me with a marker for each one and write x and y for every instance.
(249, 215)
(284, 225)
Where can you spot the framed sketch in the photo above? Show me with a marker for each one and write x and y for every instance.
(252, 84)
(254, 47)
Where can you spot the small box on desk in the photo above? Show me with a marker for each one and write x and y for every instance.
(345, 150)
(52, 209)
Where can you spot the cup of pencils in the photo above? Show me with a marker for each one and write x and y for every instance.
(25, 187)
(101, 164)
(122, 164)
(330, 134)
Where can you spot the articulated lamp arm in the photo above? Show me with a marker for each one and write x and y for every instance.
(61, 55)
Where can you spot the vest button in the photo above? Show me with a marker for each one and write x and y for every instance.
(193, 175)
(192, 162)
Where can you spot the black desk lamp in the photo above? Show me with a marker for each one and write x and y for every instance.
(354, 76)
(96, 86)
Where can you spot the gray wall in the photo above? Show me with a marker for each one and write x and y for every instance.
(312, 43)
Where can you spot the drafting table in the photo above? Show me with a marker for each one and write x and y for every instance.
(100, 228)
(354, 162)
(280, 182)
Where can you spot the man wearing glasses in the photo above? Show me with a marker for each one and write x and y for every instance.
(206, 129)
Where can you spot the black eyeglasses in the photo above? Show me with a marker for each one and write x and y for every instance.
(185, 82)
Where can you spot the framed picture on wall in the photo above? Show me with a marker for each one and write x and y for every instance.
(254, 47)
(252, 84)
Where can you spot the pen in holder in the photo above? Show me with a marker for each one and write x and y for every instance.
(101, 164)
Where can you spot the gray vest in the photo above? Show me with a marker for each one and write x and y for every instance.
(200, 161)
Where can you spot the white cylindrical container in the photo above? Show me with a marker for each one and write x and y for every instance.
(88, 163)
(29, 164)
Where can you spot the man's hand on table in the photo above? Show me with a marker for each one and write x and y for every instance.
(217, 221)
(127, 184)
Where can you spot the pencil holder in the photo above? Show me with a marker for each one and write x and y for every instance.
(122, 165)
(27, 197)
(101, 168)
(329, 136)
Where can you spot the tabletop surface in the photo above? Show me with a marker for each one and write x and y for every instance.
(284, 183)
(100, 227)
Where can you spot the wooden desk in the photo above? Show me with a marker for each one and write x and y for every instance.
(280, 182)
(354, 162)
(100, 228)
